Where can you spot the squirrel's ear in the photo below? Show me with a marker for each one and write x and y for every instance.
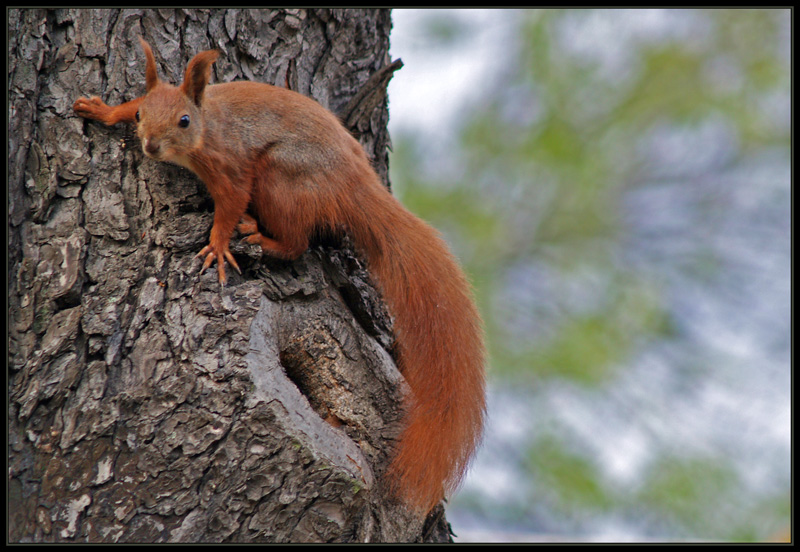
(198, 72)
(150, 72)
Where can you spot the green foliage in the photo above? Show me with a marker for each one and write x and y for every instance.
(545, 161)
(693, 492)
(688, 490)
(571, 474)
(559, 176)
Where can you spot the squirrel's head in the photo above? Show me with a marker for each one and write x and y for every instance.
(169, 121)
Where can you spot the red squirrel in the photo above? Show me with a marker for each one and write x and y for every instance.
(292, 164)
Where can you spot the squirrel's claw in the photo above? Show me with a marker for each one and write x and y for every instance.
(213, 254)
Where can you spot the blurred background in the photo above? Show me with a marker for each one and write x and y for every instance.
(617, 186)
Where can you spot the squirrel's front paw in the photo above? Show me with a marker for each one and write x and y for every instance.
(91, 108)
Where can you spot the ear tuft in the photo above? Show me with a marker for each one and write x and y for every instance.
(198, 72)
(150, 72)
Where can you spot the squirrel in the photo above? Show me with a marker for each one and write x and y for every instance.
(288, 161)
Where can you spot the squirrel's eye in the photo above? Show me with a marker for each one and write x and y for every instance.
(184, 122)
(137, 116)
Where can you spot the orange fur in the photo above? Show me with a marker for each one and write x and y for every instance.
(292, 164)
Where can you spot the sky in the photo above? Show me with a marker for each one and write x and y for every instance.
(441, 76)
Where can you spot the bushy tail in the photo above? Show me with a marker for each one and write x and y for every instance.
(439, 342)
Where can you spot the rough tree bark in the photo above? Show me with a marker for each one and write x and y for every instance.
(146, 404)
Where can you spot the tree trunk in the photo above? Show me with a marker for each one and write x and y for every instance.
(146, 404)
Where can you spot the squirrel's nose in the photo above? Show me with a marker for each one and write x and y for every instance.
(151, 147)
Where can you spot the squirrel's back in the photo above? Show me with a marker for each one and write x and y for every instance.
(254, 116)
